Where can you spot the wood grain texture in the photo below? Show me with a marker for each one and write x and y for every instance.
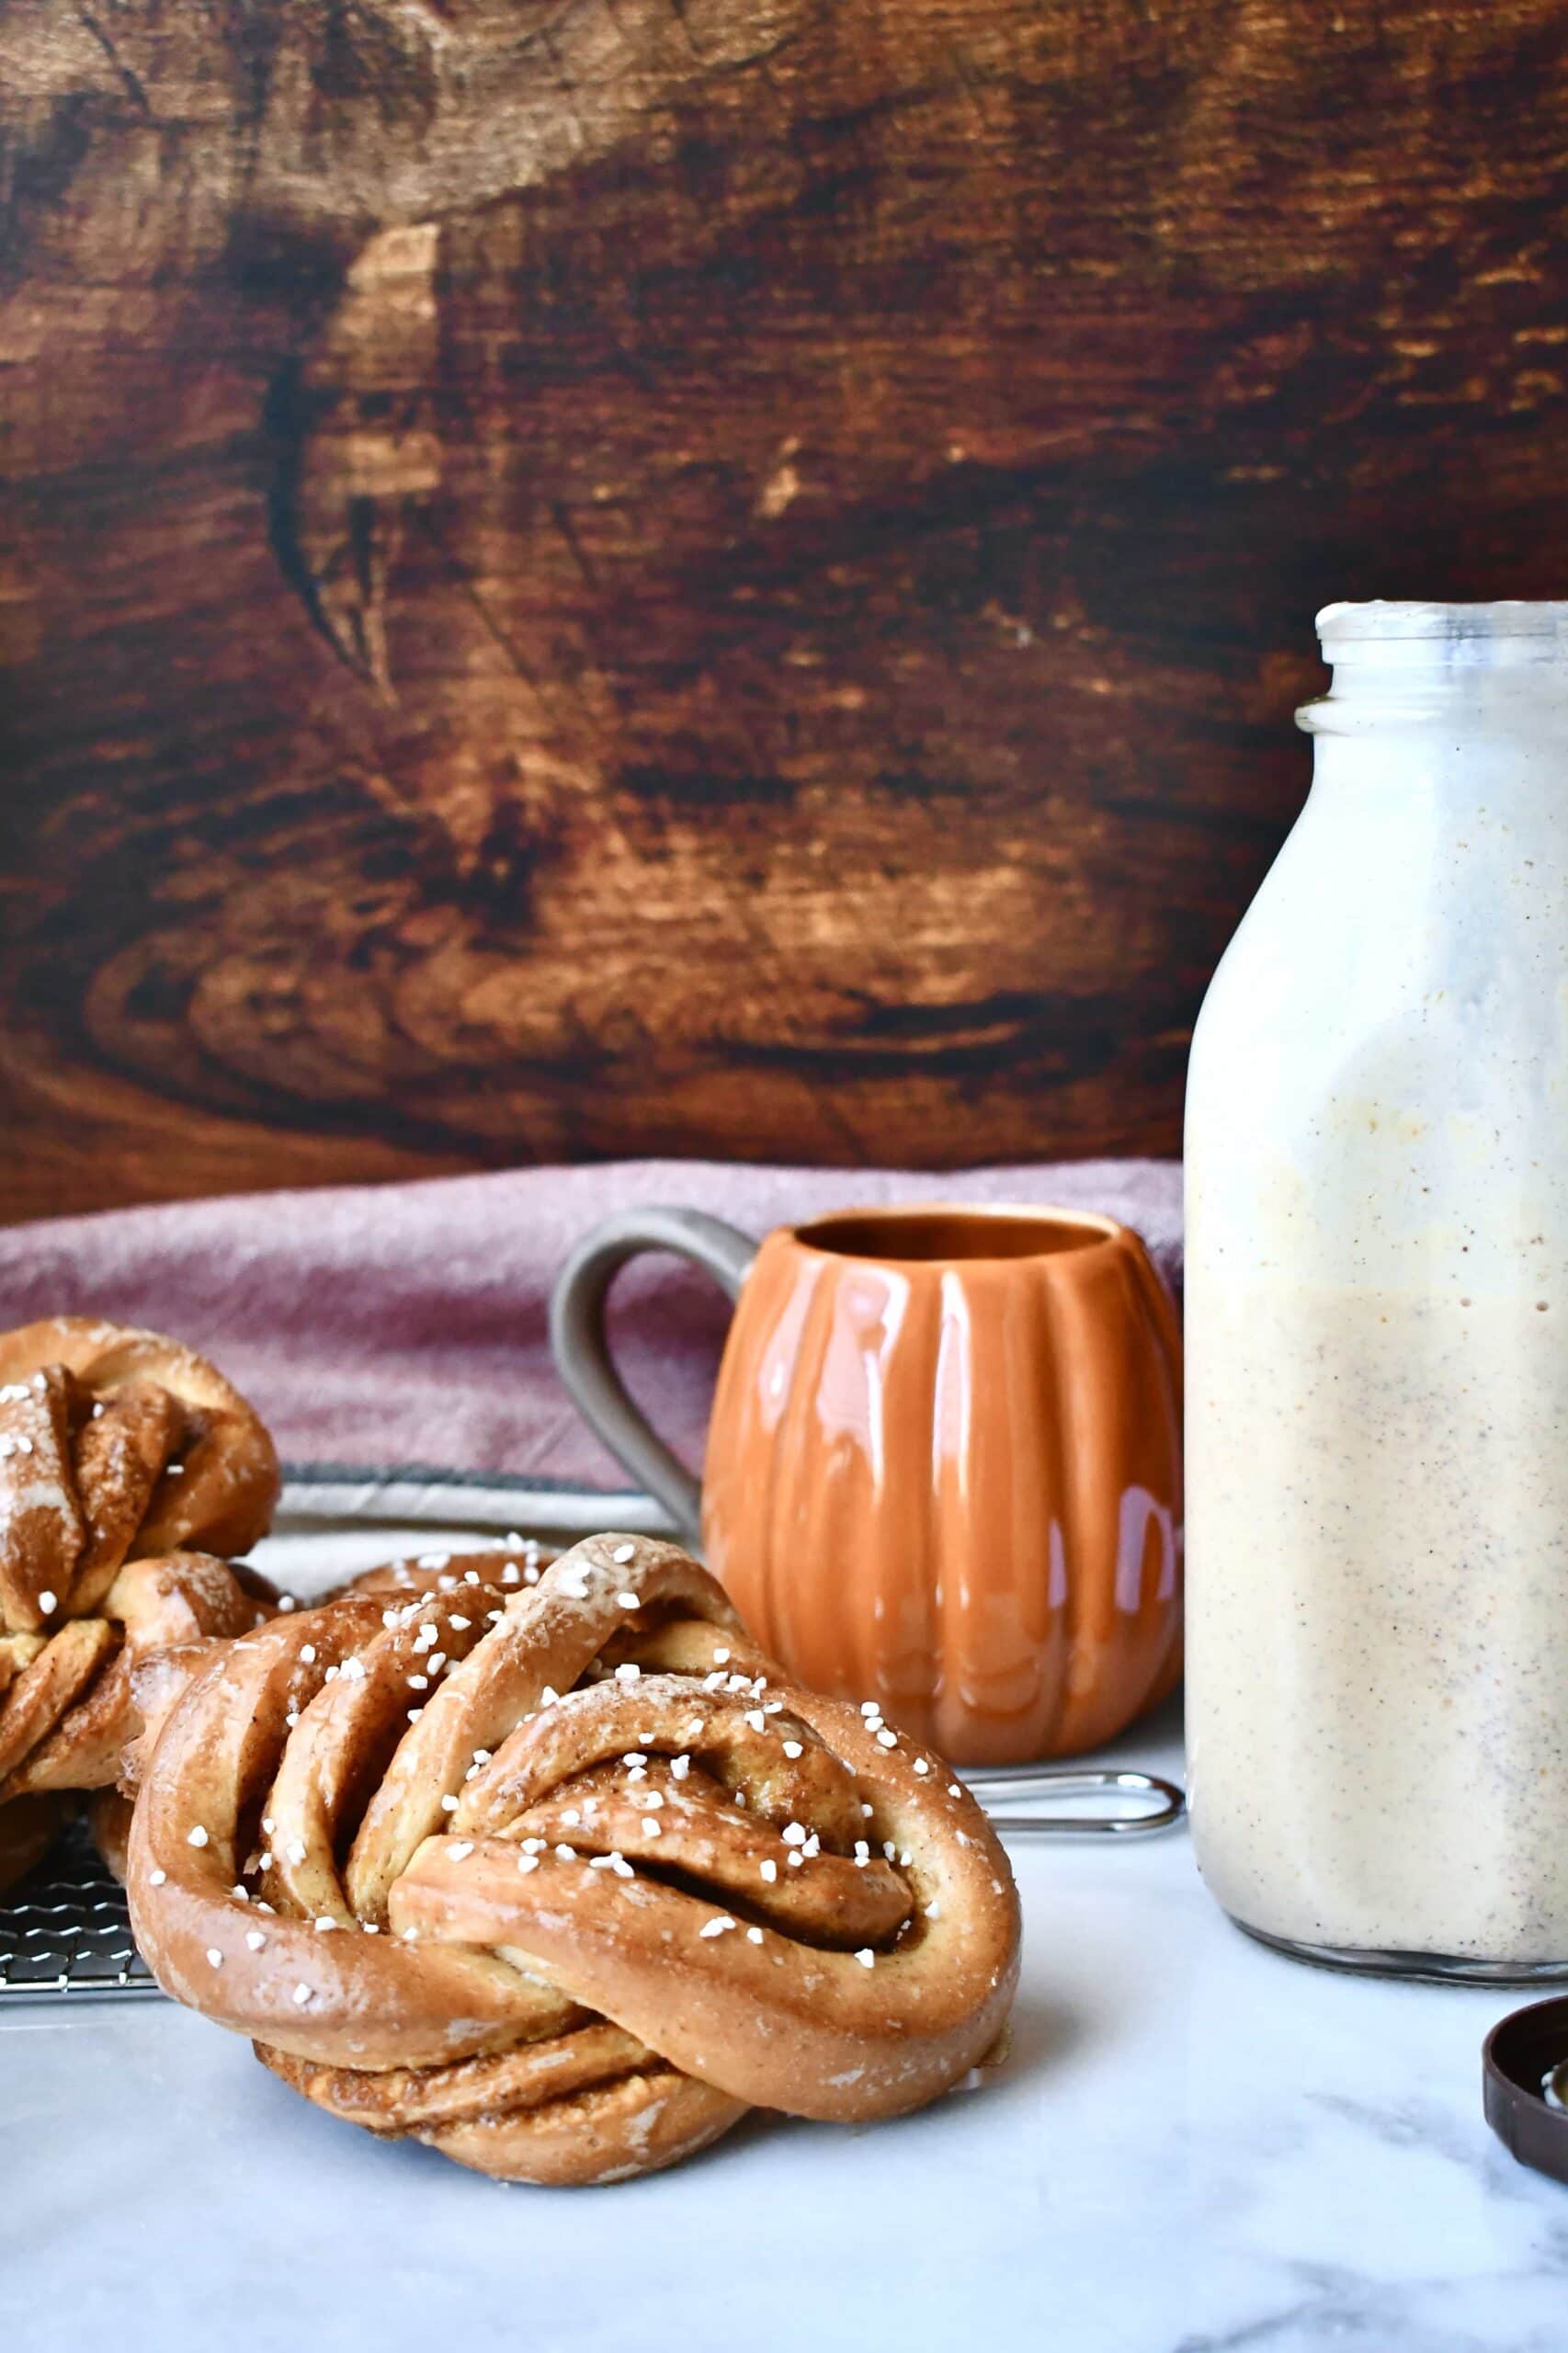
(711, 575)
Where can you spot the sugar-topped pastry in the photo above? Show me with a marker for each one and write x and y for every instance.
(116, 1445)
(121, 1453)
(553, 1870)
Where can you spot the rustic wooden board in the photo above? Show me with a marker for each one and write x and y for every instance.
(711, 575)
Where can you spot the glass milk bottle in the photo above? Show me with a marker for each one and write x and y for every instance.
(1377, 1322)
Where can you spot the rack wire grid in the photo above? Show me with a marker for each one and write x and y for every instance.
(64, 1929)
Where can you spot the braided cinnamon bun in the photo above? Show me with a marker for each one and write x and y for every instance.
(116, 1445)
(119, 1448)
(561, 1876)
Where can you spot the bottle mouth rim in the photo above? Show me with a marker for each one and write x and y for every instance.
(1381, 620)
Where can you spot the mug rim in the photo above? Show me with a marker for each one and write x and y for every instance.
(1093, 1231)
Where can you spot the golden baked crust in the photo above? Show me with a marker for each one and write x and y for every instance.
(118, 1448)
(116, 1445)
(72, 1701)
(75, 1701)
(560, 1877)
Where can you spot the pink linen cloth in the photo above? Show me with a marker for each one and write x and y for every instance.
(406, 1325)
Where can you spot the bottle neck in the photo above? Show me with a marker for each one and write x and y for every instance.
(1484, 701)
(1496, 673)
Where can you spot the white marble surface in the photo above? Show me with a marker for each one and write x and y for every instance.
(1195, 2144)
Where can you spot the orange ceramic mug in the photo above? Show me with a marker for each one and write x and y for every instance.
(944, 1464)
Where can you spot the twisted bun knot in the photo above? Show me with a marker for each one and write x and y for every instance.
(117, 1450)
(560, 1878)
(116, 1445)
(72, 1702)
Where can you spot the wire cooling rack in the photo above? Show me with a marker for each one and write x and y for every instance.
(64, 1929)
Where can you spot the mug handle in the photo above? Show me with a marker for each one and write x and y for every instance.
(582, 1351)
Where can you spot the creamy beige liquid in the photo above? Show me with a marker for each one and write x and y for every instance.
(1376, 1318)
(1377, 1661)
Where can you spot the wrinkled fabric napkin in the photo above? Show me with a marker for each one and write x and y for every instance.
(407, 1324)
